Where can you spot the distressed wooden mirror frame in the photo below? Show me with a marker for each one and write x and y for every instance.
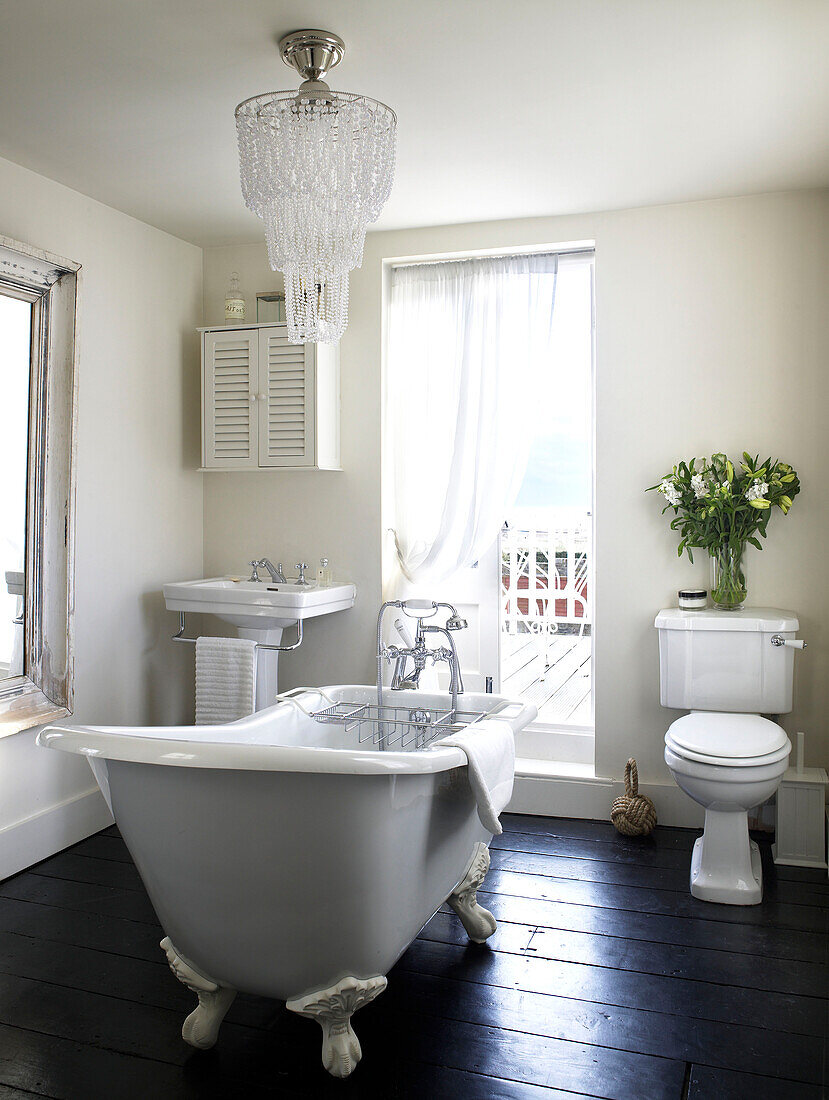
(45, 691)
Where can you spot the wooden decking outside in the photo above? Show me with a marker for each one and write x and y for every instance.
(554, 673)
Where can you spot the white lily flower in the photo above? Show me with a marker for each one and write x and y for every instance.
(670, 492)
(758, 490)
(700, 486)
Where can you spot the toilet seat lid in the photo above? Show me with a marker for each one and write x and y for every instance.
(708, 734)
(728, 761)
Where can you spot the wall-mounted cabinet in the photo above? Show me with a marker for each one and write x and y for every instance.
(267, 403)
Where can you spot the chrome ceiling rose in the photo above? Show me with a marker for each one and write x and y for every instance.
(312, 53)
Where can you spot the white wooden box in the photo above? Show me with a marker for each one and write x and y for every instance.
(800, 834)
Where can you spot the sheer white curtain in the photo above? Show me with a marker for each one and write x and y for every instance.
(466, 341)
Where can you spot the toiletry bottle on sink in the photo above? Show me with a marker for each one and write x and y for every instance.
(324, 574)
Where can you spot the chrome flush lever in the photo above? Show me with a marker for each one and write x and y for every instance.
(793, 643)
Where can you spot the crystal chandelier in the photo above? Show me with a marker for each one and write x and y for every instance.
(317, 167)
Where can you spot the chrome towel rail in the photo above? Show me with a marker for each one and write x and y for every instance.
(179, 637)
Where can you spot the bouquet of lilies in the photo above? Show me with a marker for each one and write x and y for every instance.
(720, 508)
(716, 504)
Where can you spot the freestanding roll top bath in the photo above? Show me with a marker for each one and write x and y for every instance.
(287, 859)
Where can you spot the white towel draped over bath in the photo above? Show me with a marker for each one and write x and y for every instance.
(490, 752)
(225, 680)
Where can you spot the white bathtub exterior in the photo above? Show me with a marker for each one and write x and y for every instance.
(278, 859)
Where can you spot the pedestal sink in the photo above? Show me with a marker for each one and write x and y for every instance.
(259, 610)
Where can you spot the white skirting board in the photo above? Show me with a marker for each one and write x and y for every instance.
(51, 830)
(589, 798)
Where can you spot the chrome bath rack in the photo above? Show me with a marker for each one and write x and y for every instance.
(391, 726)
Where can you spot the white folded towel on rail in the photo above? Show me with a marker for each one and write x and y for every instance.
(490, 751)
(225, 680)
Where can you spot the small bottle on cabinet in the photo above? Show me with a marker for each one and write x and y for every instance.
(234, 302)
(324, 574)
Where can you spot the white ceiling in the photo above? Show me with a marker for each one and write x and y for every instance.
(506, 108)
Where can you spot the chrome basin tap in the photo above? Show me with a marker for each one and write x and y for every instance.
(277, 576)
(300, 567)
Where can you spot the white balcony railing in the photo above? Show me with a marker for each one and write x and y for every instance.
(546, 615)
(545, 576)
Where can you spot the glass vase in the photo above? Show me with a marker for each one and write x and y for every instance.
(728, 577)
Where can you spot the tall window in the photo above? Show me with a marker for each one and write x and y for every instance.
(546, 545)
(488, 420)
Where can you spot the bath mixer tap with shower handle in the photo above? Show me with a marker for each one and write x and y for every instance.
(406, 677)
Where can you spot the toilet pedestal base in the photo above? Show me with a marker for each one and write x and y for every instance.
(726, 866)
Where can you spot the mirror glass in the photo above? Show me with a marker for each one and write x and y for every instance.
(15, 331)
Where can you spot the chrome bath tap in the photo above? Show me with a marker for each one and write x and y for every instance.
(450, 655)
(410, 661)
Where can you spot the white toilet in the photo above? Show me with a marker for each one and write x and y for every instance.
(728, 668)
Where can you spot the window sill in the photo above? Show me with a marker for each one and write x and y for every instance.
(561, 747)
(25, 707)
(527, 767)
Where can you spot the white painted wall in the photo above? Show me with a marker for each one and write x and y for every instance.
(139, 499)
(713, 334)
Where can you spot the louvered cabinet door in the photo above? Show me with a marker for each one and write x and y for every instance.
(230, 388)
(286, 404)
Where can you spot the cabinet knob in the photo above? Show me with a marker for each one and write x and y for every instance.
(263, 397)
(252, 398)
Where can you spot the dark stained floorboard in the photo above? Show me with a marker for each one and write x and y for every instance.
(675, 996)
(605, 979)
(82, 868)
(639, 874)
(648, 899)
(707, 1083)
(668, 960)
(755, 939)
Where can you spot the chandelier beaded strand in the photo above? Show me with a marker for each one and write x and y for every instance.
(317, 167)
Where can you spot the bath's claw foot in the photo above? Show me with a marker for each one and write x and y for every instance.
(201, 1028)
(478, 922)
(333, 1008)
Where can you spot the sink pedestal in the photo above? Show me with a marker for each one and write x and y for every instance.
(267, 662)
(259, 611)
